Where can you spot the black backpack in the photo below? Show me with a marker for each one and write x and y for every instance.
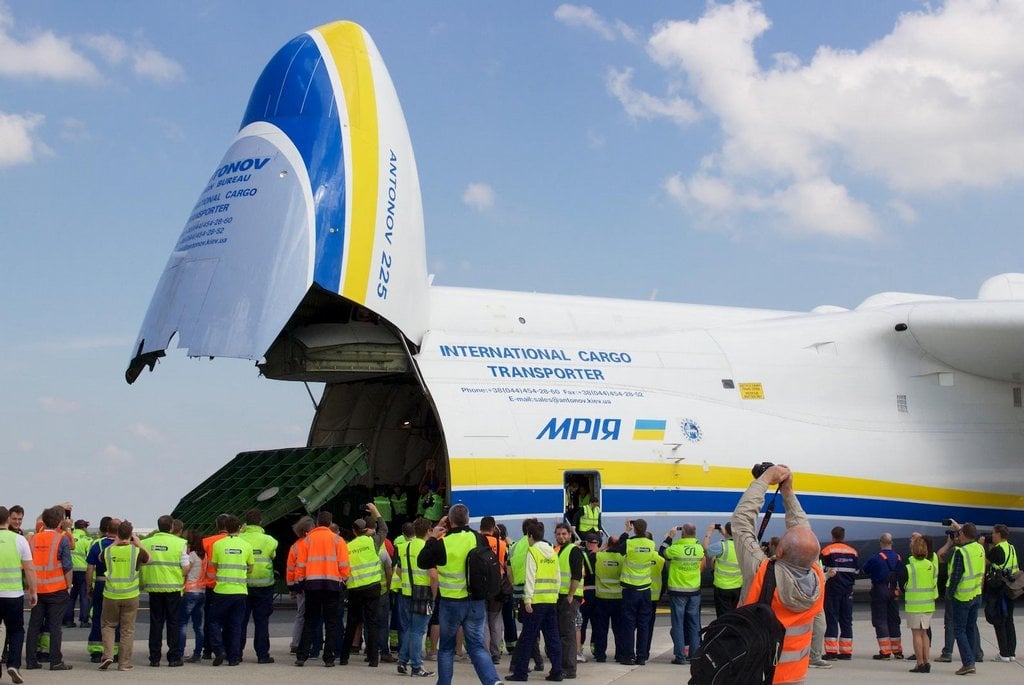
(483, 573)
(743, 646)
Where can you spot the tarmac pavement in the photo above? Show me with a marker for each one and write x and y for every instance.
(657, 671)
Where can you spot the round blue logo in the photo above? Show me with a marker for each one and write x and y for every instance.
(691, 430)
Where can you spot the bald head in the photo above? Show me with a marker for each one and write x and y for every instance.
(799, 547)
(885, 541)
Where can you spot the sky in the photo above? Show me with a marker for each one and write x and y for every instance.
(784, 155)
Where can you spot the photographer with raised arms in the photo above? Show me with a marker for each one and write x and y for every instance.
(799, 595)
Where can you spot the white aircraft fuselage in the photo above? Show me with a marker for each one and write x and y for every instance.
(306, 250)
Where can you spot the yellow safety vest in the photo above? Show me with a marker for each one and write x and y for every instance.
(364, 562)
(922, 578)
(636, 570)
(727, 568)
(162, 573)
(412, 574)
(451, 577)
(10, 562)
(607, 573)
(684, 557)
(264, 549)
(232, 556)
(1009, 558)
(545, 588)
(589, 518)
(122, 572)
(657, 566)
(565, 573)
(80, 550)
(969, 587)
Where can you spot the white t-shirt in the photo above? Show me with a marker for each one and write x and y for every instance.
(25, 552)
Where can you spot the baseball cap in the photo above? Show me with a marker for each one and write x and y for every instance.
(359, 524)
(592, 537)
(81, 523)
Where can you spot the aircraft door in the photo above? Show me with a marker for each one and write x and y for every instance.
(580, 488)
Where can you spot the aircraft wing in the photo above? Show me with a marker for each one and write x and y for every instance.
(982, 337)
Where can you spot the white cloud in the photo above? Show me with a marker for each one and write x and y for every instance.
(58, 405)
(640, 105)
(110, 48)
(933, 105)
(151, 64)
(144, 430)
(143, 61)
(18, 144)
(480, 196)
(581, 16)
(43, 55)
(47, 55)
(906, 213)
(113, 455)
(584, 17)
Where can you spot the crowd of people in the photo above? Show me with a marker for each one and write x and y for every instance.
(356, 587)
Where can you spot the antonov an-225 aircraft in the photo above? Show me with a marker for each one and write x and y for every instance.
(305, 252)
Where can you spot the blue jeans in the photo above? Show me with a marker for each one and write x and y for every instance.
(965, 624)
(685, 624)
(191, 609)
(471, 615)
(414, 630)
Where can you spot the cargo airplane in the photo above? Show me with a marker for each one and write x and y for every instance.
(305, 252)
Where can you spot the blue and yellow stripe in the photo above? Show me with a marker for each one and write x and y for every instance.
(511, 486)
(649, 429)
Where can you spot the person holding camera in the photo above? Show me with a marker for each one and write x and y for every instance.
(685, 559)
(447, 549)
(799, 581)
(124, 560)
(964, 591)
(727, 577)
(1001, 559)
(638, 554)
(364, 585)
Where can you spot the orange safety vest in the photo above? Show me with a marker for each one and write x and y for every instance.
(796, 648)
(208, 542)
(291, 569)
(323, 555)
(49, 572)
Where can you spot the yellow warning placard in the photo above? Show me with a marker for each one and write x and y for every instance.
(751, 391)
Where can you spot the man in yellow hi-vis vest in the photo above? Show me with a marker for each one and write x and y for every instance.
(964, 588)
(540, 616)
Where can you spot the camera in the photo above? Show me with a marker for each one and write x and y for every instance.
(947, 522)
(718, 526)
(761, 468)
(679, 528)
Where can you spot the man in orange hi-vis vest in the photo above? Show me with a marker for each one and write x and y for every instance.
(800, 585)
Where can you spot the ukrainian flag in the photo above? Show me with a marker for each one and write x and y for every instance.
(649, 429)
